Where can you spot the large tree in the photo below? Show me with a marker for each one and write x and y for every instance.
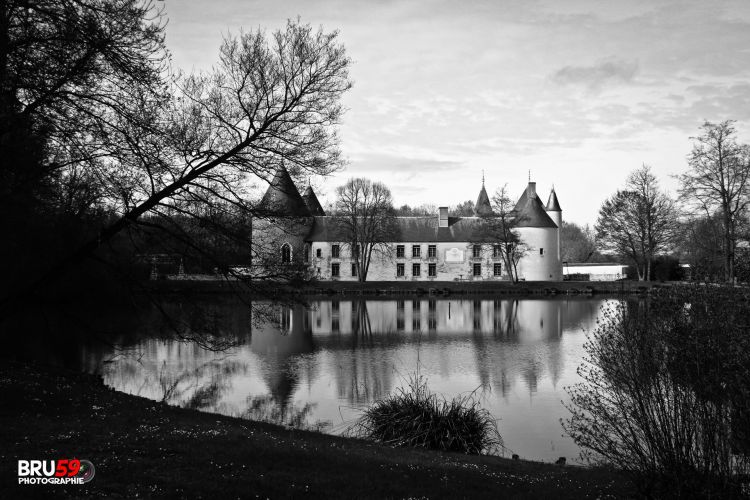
(638, 222)
(366, 220)
(269, 99)
(719, 182)
(71, 69)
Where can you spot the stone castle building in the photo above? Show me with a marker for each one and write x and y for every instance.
(426, 248)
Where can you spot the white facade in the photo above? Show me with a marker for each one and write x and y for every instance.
(452, 262)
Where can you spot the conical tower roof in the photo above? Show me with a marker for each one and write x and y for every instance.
(483, 206)
(552, 204)
(282, 197)
(530, 211)
(312, 203)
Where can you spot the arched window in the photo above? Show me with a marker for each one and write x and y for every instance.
(286, 253)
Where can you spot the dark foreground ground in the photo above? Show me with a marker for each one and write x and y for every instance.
(145, 449)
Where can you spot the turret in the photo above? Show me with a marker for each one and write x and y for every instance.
(312, 203)
(555, 213)
(282, 197)
(553, 208)
(483, 207)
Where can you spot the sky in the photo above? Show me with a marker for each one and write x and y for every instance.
(574, 93)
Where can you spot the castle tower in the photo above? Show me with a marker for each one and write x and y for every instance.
(312, 203)
(282, 197)
(483, 207)
(555, 213)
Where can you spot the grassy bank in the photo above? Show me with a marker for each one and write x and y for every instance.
(141, 448)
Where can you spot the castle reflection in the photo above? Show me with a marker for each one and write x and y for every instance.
(318, 365)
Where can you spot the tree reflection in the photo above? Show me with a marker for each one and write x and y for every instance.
(269, 409)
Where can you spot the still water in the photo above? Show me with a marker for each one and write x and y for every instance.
(318, 366)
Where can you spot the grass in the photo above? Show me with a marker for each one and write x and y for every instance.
(145, 449)
(413, 416)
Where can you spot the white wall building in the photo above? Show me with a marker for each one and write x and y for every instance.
(427, 248)
(595, 271)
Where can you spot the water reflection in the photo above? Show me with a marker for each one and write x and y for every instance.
(316, 366)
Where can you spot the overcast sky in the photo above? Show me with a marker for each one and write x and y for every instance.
(578, 92)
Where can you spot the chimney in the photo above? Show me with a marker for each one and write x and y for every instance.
(531, 190)
(443, 217)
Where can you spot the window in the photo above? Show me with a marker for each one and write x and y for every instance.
(416, 269)
(334, 325)
(400, 323)
(318, 253)
(541, 251)
(496, 251)
(335, 306)
(476, 251)
(477, 269)
(399, 269)
(354, 270)
(416, 250)
(416, 305)
(432, 306)
(335, 250)
(307, 253)
(432, 251)
(400, 251)
(335, 270)
(286, 253)
(497, 269)
(400, 305)
(432, 270)
(416, 324)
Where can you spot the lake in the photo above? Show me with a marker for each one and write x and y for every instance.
(319, 366)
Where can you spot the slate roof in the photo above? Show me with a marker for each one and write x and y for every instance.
(530, 210)
(417, 229)
(282, 197)
(312, 203)
(552, 204)
(483, 206)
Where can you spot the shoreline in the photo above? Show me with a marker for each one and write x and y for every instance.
(148, 449)
(414, 288)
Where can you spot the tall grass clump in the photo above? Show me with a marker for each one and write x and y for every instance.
(413, 416)
(666, 393)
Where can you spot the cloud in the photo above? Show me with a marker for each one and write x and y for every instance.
(605, 72)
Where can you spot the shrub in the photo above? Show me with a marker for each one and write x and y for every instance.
(416, 417)
(666, 392)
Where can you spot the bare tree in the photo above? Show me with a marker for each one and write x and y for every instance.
(500, 230)
(638, 222)
(719, 181)
(268, 100)
(367, 220)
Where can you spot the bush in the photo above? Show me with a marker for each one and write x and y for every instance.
(666, 392)
(416, 417)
